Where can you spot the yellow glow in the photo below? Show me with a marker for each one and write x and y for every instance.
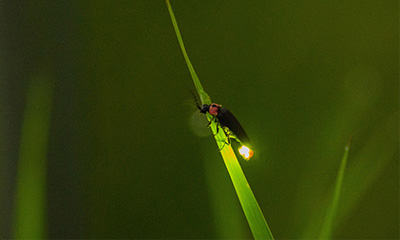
(246, 152)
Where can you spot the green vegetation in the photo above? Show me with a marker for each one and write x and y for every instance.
(94, 133)
(255, 218)
(327, 228)
(30, 206)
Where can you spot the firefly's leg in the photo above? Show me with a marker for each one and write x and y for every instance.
(228, 136)
(227, 139)
(215, 120)
(209, 123)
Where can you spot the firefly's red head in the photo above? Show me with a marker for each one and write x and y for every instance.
(213, 109)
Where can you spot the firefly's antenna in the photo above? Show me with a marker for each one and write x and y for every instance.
(195, 99)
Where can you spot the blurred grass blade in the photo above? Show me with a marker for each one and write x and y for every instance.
(379, 151)
(326, 231)
(251, 209)
(31, 177)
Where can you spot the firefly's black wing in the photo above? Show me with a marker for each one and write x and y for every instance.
(226, 119)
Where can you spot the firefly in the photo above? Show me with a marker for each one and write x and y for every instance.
(230, 125)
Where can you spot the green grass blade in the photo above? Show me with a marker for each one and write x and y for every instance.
(251, 209)
(326, 231)
(31, 177)
(204, 98)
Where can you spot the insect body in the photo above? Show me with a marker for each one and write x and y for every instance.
(230, 125)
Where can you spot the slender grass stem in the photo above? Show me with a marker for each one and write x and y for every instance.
(252, 211)
(326, 232)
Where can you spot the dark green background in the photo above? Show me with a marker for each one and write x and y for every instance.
(301, 76)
